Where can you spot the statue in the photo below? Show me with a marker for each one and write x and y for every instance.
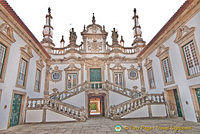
(72, 37)
(114, 37)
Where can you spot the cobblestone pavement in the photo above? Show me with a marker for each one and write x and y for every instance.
(106, 126)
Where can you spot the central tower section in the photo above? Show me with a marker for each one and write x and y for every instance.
(94, 38)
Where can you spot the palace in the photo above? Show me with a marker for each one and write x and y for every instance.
(41, 83)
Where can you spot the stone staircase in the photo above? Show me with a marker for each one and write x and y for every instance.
(120, 110)
(54, 101)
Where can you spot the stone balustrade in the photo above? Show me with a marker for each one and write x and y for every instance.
(118, 111)
(35, 103)
(67, 109)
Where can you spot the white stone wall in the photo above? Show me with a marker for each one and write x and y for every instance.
(178, 70)
(11, 76)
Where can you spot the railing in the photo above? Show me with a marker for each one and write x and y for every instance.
(124, 91)
(67, 109)
(69, 92)
(62, 51)
(79, 48)
(94, 86)
(126, 50)
(118, 111)
(56, 106)
(35, 103)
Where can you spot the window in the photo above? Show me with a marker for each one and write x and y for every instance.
(71, 80)
(167, 70)
(191, 59)
(151, 78)
(2, 58)
(118, 77)
(37, 80)
(22, 72)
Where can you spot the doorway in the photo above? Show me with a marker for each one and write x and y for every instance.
(16, 110)
(173, 101)
(96, 105)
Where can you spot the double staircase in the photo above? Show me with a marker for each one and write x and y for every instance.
(54, 101)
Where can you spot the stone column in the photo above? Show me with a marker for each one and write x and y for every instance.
(46, 86)
(143, 89)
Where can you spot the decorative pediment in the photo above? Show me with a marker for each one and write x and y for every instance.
(148, 63)
(40, 63)
(26, 51)
(72, 67)
(118, 66)
(7, 32)
(162, 50)
(183, 32)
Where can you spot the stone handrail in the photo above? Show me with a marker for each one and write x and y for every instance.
(64, 50)
(120, 110)
(95, 86)
(125, 50)
(56, 106)
(67, 109)
(69, 92)
(124, 91)
(35, 103)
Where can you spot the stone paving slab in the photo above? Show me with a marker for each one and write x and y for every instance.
(106, 126)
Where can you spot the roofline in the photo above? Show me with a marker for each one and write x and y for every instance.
(162, 30)
(21, 23)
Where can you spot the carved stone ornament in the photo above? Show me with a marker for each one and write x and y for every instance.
(94, 46)
(182, 32)
(56, 74)
(148, 63)
(7, 31)
(72, 67)
(161, 50)
(118, 66)
(40, 63)
(72, 37)
(26, 51)
(114, 37)
(132, 73)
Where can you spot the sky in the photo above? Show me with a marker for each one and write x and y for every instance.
(153, 14)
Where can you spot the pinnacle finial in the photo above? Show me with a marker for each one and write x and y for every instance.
(49, 10)
(62, 39)
(93, 19)
(134, 11)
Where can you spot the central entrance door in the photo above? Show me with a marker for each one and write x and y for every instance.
(96, 105)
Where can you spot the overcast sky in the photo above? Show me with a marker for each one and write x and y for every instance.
(153, 14)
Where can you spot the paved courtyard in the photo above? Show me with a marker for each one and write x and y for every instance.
(106, 126)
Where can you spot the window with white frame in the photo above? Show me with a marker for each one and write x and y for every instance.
(151, 78)
(37, 80)
(22, 72)
(2, 57)
(71, 80)
(167, 70)
(191, 59)
(118, 77)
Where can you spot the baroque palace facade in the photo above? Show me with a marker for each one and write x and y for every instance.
(42, 83)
